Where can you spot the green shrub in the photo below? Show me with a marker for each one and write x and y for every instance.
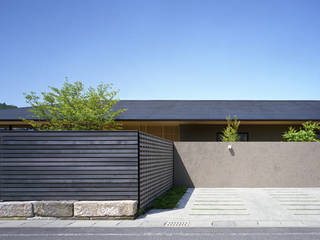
(230, 133)
(306, 133)
(74, 108)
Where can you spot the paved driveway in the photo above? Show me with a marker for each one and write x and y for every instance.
(244, 207)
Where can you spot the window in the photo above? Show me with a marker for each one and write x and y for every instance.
(244, 137)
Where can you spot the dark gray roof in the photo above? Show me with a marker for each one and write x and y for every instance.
(204, 110)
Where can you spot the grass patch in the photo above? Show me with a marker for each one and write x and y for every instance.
(170, 199)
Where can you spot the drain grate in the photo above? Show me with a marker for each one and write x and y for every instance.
(177, 224)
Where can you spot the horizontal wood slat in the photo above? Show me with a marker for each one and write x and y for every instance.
(128, 181)
(42, 155)
(70, 133)
(70, 189)
(55, 159)
(74, 197)
(78, 146)
(67, 173)
(93, 142)
(68, 151)
(73, 184)
(57, 164)
(70, 138)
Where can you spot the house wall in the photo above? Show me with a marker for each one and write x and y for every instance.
(168, 131)
(209, 132)
(248, 164)
(197, 130)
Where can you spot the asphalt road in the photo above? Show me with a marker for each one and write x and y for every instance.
(158, 233)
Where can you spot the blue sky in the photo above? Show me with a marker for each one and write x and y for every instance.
(162, 49)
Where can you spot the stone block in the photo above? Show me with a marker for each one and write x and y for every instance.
(53, 208)
(16, 209)
(105, 208)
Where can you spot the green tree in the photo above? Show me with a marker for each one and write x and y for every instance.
(230, 133)
(74, 108)
(306, 133)
(6, 106)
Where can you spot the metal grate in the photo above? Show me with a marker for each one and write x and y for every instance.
(177, 224)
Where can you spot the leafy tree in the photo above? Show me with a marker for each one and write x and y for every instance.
(230, 133)
(5, 106)
(74, 108)
(306, 133)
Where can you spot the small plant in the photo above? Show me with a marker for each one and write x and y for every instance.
(230, 133)
(170, 199)
(306, 133)
(74, 108)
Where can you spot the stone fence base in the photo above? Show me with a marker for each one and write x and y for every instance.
(69, 209)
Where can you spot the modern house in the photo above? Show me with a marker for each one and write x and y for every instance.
(201, 120)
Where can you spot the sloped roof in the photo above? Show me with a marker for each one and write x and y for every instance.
(206, 110)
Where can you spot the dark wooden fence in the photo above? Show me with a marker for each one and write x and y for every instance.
(80, 165)
(155, 167)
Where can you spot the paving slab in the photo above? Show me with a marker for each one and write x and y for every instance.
(11, 223)
(81, 223)
(59, 223)
(223, 224)
(36, 223)
(107, 223)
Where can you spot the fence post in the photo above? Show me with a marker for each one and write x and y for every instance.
(138, 135)
(1, 159)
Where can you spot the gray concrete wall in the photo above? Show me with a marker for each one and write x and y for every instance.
(209, 132)
(248, 164)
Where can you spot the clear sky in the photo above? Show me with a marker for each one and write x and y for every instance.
(162, 49)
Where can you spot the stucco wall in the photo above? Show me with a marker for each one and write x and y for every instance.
(209, 132)
(248, 164)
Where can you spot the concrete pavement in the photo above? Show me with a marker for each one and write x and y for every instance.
(217, 208)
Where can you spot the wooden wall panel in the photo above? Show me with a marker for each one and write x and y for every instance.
(169, 132)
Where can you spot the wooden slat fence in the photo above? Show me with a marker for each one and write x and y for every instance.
(84, 165)
(155, 167)
(69, 165)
